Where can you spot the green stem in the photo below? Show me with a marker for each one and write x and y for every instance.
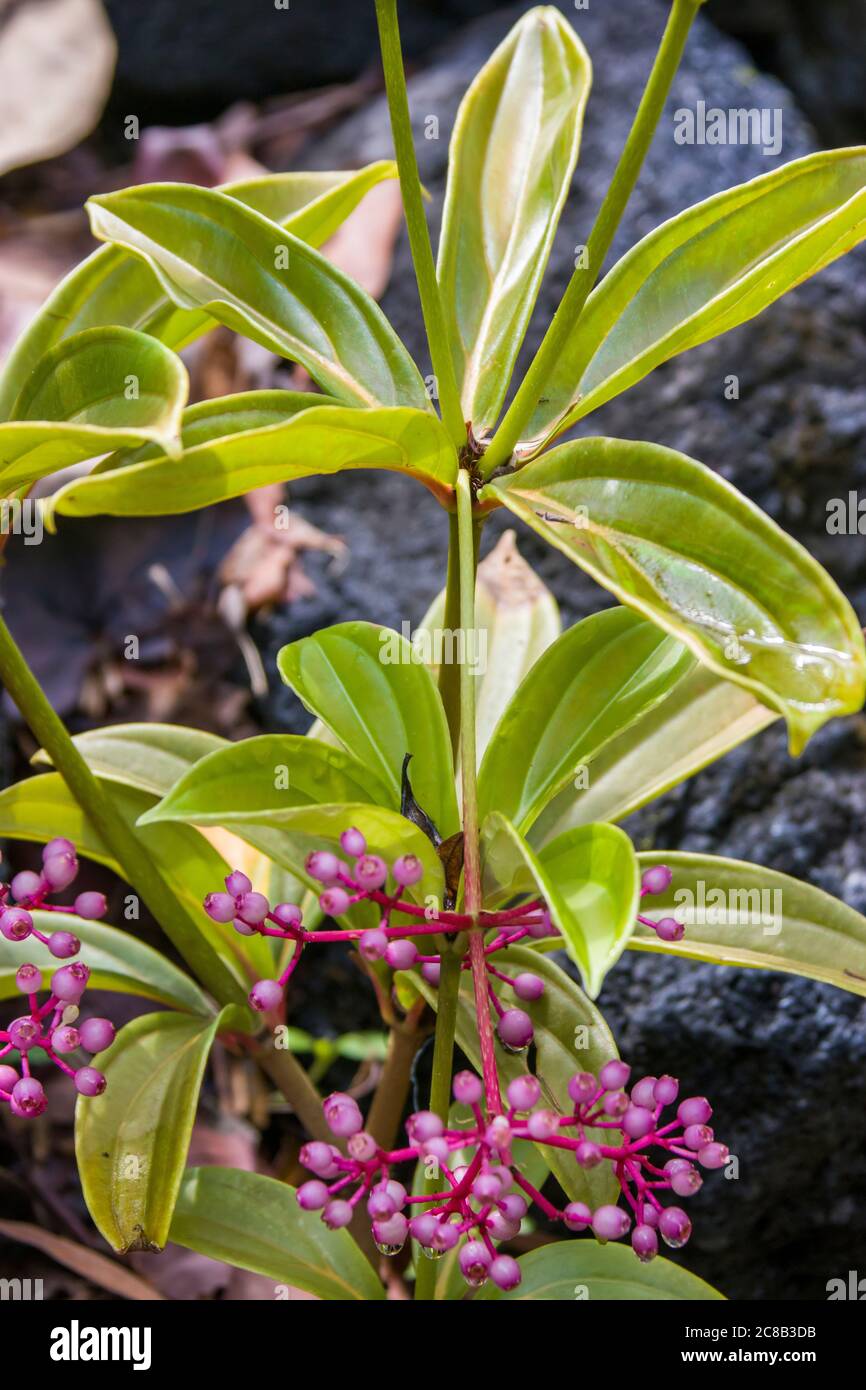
(472, 895)
(468, 756)
(389, 1102)
(440, 1086)
(627, 170)
(416, 222)
(292, 1081)
(462, 565)
(132, 859)
(449, 672)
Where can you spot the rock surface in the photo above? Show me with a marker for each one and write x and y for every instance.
(180, 64)
(782, 1059)
(817, 50)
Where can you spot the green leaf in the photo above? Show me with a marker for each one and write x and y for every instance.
(588, 878)
(149, 757)
(512, 155)
(254, 1222)
(742, 914)
(700, 718)
(210, 252)
(583, 1269)
(42, 807)
(679, 544)
(516, 619)
(323, 439)
(110, 287)
(207, 421)
(131, 1142)
(289, 835)
(708, 269)
(117, 961)
(313, 204)
(374, 693)
(594, 682)
(264, 777)
(108, 388)
(570, 1035)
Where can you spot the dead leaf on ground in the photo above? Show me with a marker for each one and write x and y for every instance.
(56, 66)
(264, 564)
(363, 246)
(32, 260)
(108, 1274)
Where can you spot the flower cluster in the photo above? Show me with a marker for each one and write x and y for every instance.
(367, 879)
(53, 1025)
(485, 1196)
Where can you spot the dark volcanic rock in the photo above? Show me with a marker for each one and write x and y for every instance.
(783, 1059)
(183, 63)
(817, 51)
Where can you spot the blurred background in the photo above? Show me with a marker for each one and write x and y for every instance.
(96, 96)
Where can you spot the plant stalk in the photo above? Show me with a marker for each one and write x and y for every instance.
(472, 894)
(292, 1081)
(449, 672)
(571, 306)
(386, 1111)
(131, 857)
(440, 1086)
(416, 222)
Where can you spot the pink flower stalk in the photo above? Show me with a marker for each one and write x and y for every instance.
(367, 881)
(53, 1025)
(484, 1196)
(482, 1201)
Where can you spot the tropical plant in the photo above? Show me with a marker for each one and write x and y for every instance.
(457, 826)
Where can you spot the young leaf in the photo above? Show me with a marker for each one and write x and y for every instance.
(254, 1222)
(312, 204)
(570, 1035)
(131, 1142)
(742, 914)
(708, 269)
(375, 694)
(607, 1273)
(593, 683)
(105, 389)
(699, 720)
(589, 879)
(266, 776)
(323, 439)
(679, 544)
(210, 252)
(512, 155)
(111, 287)
(116, 960)
(516, 619)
